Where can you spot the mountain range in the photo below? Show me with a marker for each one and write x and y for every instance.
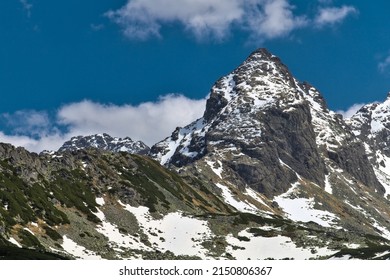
(268, 172)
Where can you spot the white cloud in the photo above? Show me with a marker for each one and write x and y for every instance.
(205, 19)
(46, 142)
(384, 65)
(333, 15)
(274, 19)
(149, 122)
(28, 120)
(142, 19)
(350, 111)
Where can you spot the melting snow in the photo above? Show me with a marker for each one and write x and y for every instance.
(352, 246)
(26, 229)
(184, 139)
(100, 201)
(278, 247)
(302, 209)
(255, 195)
(114, 236)
(239, 205)
(217, 170)
(383, 172)
(378, 255)
(289, 167)
(174, 232)
(384, 231)
(78, 251)
(376, 126)
(328, 186)
(13, 241)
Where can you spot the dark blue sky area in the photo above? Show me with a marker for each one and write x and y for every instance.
(53, 53)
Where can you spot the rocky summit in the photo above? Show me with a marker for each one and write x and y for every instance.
(268, 172)
(105, 142)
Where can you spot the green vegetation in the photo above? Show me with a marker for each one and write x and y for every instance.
(70, 188)
(14, 253)
(26, 203)
(366, 253)
(54, 235)
(29, 240)
(43, 207)
(12, 194)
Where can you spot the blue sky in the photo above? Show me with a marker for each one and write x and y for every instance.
(120, 66)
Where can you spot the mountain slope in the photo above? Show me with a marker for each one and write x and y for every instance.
(262, 112)
(96, 204)
(267, 172)
(371, 124)
(101, 205)
(264, 131)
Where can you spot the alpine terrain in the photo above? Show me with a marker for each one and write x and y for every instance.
(268, 172)
(105, 142)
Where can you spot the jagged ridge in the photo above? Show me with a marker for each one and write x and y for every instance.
(105, 142)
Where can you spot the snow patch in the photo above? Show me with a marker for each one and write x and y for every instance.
(218, 170)
(376, 126)
(278, 247)
(13, 241)
(302, 209)
(239, 205)
(78, 251)
(175, 232)
(328, 186)
(256, 196)
(26, 229)
(117, 238)
(382, 172)
(100, 201)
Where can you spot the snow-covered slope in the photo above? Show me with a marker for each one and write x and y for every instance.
(263, 132)
(267, 172)
(371, 124)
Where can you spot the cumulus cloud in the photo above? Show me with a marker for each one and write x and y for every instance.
(149, 122)
(333, 15)
(351, 110)
(273, 19)
(142, 19)
(261, 19)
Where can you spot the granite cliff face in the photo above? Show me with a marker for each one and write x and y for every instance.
(267, 163)
(264, 131)
(259, 120)
(371, 124)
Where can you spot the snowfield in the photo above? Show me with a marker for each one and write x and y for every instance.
(78, 251)
(278, 247)
(302, 209)
(174, 232)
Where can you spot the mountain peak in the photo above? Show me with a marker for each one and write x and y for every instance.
(261, 53)
(105, 142)
(260, 81)
(258, 110)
